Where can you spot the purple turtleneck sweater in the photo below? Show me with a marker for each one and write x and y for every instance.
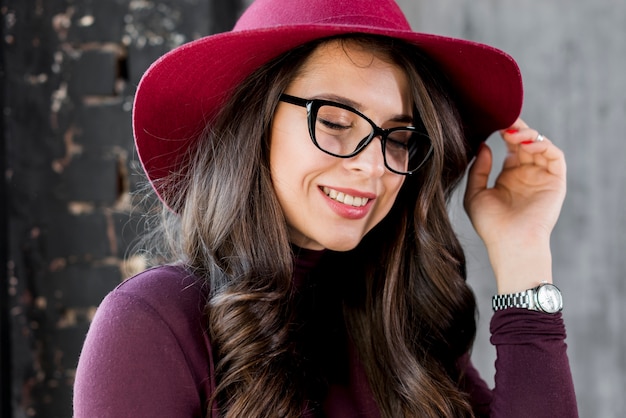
(147, 354)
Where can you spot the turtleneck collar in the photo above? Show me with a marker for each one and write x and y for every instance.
(305, 261)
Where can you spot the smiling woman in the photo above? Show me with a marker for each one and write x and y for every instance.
(312, 268)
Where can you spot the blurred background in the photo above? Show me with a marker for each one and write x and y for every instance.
(68, 72)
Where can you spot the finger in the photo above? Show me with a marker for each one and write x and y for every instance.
(515, 138)
(478, 175)
(518, 138)
(548, 155)
(512, 137)
(528, 136)
(511, 158)
(523, 148)
(518, 125)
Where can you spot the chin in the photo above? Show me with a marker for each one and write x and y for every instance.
(342, 246)
(336, 242)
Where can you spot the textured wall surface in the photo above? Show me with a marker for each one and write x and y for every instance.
(70, 69)
(70, 73)
(572, 54)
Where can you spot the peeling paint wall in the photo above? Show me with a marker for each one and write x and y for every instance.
(71, 68)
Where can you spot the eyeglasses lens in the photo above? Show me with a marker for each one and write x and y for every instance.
(344, 133)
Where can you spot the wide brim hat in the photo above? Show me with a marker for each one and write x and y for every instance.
(184, 89)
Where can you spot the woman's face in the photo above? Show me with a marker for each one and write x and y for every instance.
(332, 202)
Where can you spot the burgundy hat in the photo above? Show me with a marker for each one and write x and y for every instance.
(186, 87)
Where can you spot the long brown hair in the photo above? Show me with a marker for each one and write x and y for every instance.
(403, 294)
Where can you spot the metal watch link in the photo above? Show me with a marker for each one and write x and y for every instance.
(544, 298)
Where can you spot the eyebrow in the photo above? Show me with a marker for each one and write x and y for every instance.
(358, 106)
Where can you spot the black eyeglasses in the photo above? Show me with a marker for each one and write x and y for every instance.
(342, 131)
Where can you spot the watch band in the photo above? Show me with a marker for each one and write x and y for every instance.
(511, 300)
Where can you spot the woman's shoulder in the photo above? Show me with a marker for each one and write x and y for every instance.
(170, 292)
(166, 284)
(165, 306)
(148, 332)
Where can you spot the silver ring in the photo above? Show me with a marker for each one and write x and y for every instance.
(540, 138)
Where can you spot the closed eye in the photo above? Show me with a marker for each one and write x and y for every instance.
(332, 125)
(397, 144)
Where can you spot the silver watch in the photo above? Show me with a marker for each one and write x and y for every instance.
(544, 298)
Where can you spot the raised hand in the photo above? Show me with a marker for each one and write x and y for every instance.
(516, 216)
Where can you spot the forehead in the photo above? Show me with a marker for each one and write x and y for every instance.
(353, 70)
(346, 52)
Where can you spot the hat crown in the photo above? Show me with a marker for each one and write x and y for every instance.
(383, 14)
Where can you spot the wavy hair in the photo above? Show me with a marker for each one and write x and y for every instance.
(403, 293)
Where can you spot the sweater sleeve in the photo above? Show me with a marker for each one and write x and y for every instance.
(136, 361)
(533, 377)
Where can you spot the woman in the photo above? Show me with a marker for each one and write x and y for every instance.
(305, 159)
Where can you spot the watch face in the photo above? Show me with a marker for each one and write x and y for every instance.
(549, 298)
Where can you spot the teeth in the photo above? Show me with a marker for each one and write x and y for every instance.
(346, 199)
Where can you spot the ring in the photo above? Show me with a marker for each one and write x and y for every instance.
(540, 138)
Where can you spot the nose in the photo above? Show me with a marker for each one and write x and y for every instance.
(370, 160)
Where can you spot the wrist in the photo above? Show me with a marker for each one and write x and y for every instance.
(518, 267)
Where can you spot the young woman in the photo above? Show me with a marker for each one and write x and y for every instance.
(305, 160)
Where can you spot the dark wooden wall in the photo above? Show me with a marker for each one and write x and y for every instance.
(69, 73)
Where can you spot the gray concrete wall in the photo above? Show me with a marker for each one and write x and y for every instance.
(572, 54)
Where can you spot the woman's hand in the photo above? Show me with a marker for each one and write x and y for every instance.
(516, 216)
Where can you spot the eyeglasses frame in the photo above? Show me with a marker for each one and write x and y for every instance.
(313, 105)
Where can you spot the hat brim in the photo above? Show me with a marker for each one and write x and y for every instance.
(185, 88)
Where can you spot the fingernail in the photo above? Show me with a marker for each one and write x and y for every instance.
(512, 131)
(530, 141)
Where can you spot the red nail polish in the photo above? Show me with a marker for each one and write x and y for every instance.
(527, 142)
(512, 131)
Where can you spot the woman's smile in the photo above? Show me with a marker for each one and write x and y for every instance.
(349, 204)
(345, 198)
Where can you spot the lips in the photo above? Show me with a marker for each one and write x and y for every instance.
(344, 198)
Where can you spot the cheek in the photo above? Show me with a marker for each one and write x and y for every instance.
(293, 155)
(392, 189)
(283, 148)
(287, 166)
(394, 184)
(284, 138)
